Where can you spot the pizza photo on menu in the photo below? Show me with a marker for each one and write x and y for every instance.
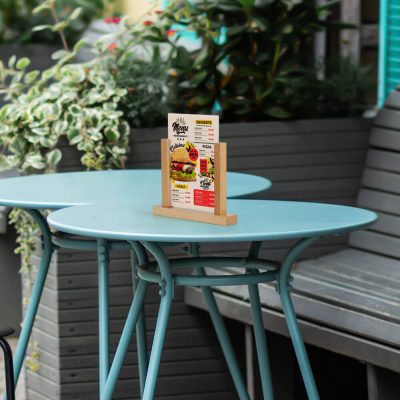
(183, 165)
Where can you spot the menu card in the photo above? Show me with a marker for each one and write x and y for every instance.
(192, 139)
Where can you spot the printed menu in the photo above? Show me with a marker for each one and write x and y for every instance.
(192, 139)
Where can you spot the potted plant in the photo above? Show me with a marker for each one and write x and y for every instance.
(252, 62)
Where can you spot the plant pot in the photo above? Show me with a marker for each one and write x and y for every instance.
(318, 160)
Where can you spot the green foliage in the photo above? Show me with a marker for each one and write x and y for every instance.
(253, 55)
(69, 102)
(17, 18)
(76, 101)
(343, 92)
(145, 103)
(27, 231)
(250, 65)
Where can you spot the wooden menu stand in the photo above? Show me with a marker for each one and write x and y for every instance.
(220, 216)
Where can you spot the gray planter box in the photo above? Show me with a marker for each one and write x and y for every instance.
(318, 160)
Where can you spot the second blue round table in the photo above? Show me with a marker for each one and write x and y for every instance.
(55, 191)
(258, 221)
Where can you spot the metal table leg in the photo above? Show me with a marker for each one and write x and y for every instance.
(161, 273)
(103, 248)
(259, 331)
(139, 257)
(37, 290)
(220, 329)
(167, 294)
(283, 279)
(125, 339)
(104, 342)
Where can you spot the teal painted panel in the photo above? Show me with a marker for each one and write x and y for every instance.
(389, 48)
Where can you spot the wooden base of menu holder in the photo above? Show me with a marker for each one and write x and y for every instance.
(197, 216)
(220, 216)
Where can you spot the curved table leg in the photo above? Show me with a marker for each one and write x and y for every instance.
(166, 293)
(261, 342)
(283, 279)
(221, 331)
(103, 258)
(125, 340)
(36, 294)
(259, 331)
(138, 257)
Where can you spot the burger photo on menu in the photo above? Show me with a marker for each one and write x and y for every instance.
(183, 167)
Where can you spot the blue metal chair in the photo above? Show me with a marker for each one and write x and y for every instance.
(8, 361)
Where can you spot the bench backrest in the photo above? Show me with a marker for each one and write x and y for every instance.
(381, 183)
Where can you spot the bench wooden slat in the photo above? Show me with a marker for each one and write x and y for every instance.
(385, 138)
(376, 270)
(381, 180)
(369, 262)
(388, 118)
(379, 290)
(385, 160)
(387, 224)
(345, 297)
(380, 201)
(375, 242)
(352, 272)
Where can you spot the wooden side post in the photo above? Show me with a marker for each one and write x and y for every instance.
(166, 186)
(220, 178)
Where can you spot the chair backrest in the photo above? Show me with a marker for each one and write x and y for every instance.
(381, 183)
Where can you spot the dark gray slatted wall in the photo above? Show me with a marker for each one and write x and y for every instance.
(310, 160)
(315, 160)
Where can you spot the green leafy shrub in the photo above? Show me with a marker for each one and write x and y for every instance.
(145, 103)
(76, 101)
(73, 102)
(254, 60)
(86, 104)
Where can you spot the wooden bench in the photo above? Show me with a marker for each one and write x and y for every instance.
(348, 302)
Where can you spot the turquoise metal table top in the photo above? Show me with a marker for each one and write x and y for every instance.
(258, 220)
(77, 188)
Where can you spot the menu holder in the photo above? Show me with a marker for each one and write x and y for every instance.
(220, 216)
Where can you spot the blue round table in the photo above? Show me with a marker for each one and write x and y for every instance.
(61, 190)
(258, 221)
(56, 191)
